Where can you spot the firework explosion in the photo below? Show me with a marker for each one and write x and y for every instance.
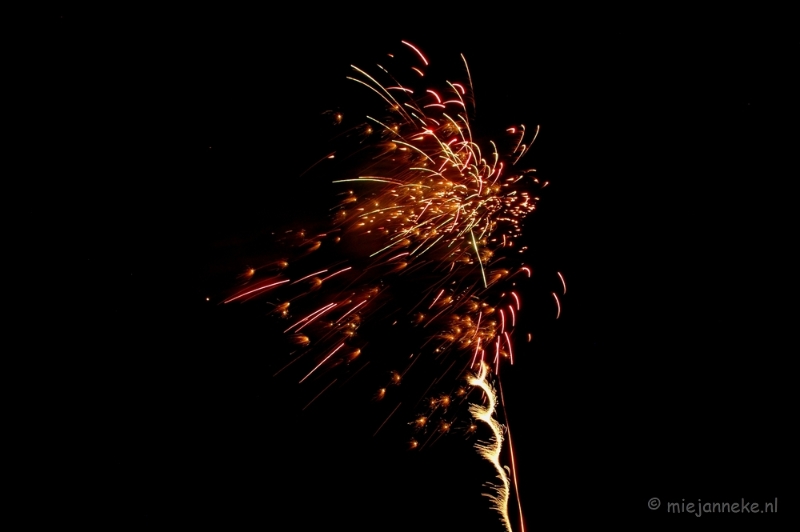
(424, 237)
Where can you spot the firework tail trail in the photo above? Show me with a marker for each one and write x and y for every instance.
(511, 454)
(490, 450)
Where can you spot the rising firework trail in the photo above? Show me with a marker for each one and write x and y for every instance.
(491, 449)
(423, 238)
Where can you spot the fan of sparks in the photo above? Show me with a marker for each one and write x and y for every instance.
(428, 197)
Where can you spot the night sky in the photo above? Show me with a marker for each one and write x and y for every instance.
(666, 140)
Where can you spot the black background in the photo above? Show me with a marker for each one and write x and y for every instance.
(667, 140)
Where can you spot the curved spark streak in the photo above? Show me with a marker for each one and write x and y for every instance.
(491, 450)
(558, 305)
(416, 50)
(563, 283)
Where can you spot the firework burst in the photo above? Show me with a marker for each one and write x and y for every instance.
(423, 237)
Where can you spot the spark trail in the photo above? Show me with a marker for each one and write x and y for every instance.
(491, 449)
